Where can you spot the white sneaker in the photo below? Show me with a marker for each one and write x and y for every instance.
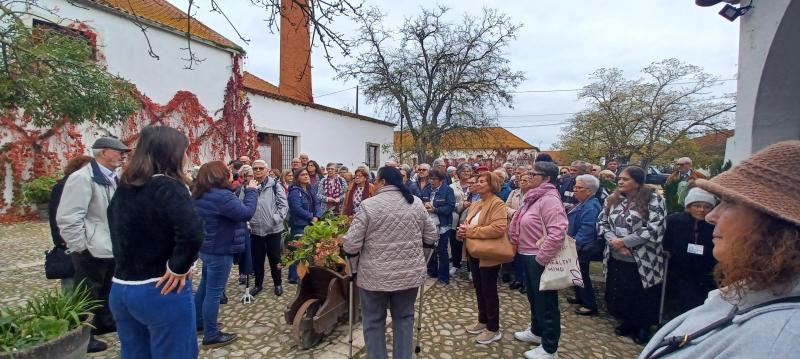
(527, 336)
(470, 275)
(539, 353)
(453, 270)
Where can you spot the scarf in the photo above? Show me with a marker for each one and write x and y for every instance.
(530, 198)
(350, 202)
(332, 187)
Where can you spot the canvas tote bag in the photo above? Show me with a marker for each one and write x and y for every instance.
(563, 271)
(497, 249)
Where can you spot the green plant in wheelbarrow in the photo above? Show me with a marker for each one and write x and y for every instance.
(320, 245)
(51, 324)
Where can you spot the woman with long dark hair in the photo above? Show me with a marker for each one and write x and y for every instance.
(155, 234)
(633, 224)
(304, 209)
(225, 218)
(387, 234)
(315, 174)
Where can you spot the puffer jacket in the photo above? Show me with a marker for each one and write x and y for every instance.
(272, 208)
(303, 207)
(225, 219)
(388, 232)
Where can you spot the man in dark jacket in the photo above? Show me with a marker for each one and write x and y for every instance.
(565, 188)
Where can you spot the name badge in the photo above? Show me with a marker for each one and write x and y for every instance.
(621, 232)
(695, 249)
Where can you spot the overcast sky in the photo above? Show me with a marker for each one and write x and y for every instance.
(559, 45)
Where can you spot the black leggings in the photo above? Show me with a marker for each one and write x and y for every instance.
(266, 246)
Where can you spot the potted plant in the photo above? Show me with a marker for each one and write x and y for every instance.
(54, 324)
(37, 192)
(320, 245)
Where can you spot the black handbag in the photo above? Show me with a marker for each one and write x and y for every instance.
(58, 264)
(592, 251)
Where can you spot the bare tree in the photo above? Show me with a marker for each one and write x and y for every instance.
(646, 117)
(437, 76)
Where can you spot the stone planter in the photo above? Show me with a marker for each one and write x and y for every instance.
(71, 345)
(43, 209)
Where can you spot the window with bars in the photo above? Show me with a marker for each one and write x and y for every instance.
(276, 149)
(373, 152)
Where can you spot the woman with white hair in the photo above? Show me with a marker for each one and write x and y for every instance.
(689, 241)
(583, 227)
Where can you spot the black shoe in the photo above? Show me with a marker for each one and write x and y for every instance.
(506, 278)
(624, 330)
(221, 340)
(515, 285)
(574, 301)
(523, 290)
(278, 290)
(255, 290)
(585, 311)
(96, 346)
(242, 279)
(223, 299)
(292, 281)
(642, 336)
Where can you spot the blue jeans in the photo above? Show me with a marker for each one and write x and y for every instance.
(519, 269)
(373, 314)
(439, 265)
(216, 269)
(295, 231)
(151, 325)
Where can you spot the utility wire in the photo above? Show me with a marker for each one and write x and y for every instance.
(579, 89)
(335, 92)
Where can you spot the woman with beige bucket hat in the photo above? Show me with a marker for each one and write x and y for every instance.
(756, 311)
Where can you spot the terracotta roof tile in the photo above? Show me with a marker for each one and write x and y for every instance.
(253, 82)
(166, 14)
(484, 138)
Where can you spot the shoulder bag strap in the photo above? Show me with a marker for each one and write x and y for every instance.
(674, 343)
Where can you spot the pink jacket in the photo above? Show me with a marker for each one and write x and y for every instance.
(541, 207)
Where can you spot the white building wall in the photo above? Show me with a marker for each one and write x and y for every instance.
(324, 136)
(126, 55)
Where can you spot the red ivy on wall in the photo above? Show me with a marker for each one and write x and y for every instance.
(33, 152)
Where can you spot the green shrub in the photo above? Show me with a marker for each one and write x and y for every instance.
(38, 189)
(45, 317)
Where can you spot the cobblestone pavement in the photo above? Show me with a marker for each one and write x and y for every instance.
(263, 333)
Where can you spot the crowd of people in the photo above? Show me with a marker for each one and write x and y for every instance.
(134, 236)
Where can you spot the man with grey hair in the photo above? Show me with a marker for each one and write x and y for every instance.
(83, 223)
(440, 164)
(423, 171)
(392, 163)
(682, 175)
(266, 227)
(583, 227)
(567, 182)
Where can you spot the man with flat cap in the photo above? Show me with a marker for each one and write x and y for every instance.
(82, 221)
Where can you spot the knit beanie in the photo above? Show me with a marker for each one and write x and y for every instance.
(767, 181)
(697, 194)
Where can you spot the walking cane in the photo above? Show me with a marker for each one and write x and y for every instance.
(663, 289)
(351, 305)
(246, 297)
(417, 347)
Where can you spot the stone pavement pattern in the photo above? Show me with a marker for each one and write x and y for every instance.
(263, 334)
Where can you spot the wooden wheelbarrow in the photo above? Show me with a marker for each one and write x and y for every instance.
(321, 302)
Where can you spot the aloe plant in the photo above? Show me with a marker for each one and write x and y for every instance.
(44, 317)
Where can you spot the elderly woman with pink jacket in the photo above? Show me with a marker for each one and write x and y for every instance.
(538, 229)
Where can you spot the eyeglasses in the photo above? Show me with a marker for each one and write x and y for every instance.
(682, 164)
(331, 169)
(538, 174)
(422, 170)
(576, 187)
(258, 168)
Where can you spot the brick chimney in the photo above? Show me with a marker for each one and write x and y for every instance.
(295, 78)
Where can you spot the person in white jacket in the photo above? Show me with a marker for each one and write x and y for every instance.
(83, 223)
